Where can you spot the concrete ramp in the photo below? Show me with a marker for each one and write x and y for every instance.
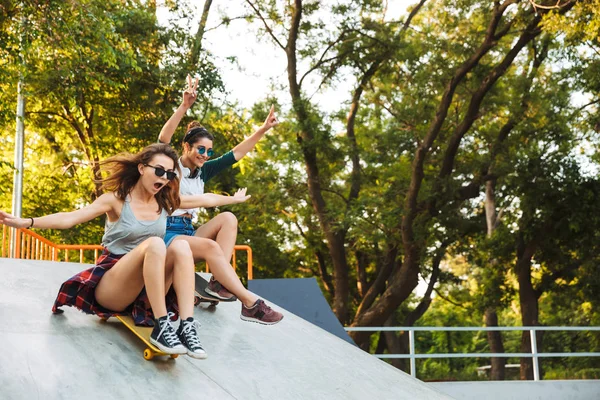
(303, 297)
(74, 355)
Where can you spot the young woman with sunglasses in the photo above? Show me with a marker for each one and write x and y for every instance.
(136, 274)
(213, 241)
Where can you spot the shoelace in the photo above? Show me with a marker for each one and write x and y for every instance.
(169, 334)
(191, 333)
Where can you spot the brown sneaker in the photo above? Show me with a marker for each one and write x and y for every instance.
(260, 312)
(214, 288)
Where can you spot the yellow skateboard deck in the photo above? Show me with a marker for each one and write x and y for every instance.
(143, 332)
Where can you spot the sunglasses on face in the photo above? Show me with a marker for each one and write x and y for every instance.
(159, 171)
(202, 150)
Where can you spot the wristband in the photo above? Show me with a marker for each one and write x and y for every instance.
(30, 225)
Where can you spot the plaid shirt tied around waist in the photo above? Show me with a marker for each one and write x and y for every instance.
(79, 292)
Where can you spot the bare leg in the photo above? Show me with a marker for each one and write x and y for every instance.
(179, 270)
(143, 266)
(210, 251)
(223, 230)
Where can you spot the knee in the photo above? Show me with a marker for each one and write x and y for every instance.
(180, 248)
(212, 249)
(229, 219)
(156, 246)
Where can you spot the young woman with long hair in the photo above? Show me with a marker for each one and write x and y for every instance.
(136, 274)
(214, 240)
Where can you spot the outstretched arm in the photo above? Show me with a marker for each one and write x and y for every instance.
(247, 145)
(209, 200)
(189, 97)
(62, 220)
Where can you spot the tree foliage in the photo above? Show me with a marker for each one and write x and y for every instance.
(464, 154)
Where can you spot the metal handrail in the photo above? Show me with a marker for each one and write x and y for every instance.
(532, 331)
(30, 245)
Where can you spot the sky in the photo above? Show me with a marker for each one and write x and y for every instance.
(260, 64)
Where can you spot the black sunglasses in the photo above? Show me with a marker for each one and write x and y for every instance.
(159, 171)
(202, 150)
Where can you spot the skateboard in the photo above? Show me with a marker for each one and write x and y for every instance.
(143, 332)
(203, 297)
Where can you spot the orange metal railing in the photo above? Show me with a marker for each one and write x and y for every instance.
(31, 246)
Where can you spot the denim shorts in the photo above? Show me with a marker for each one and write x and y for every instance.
(177, 226)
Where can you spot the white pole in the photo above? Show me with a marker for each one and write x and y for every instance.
(534, 354)
(411, 346)
(17, 199)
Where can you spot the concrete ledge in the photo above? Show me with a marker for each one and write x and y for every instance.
(521, 390)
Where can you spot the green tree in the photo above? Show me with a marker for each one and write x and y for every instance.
(93, 90)
(428, 183)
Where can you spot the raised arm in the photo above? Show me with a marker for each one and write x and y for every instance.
(189, 97)
(63, 220)
(209, 200)
(248, 144)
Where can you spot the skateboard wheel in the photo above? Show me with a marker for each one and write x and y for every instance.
(214, 303)
(148, 354)
(174, 355)
(196, 300)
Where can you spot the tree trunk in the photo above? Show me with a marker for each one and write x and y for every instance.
(400, 287)
(401, 342)
(528, 301)
(197, 45)
(335, 239)
(325, 277)
(496, 346)
(492, 220)
(362, 263)
(397, 344)
(494, 338)
(378, 286)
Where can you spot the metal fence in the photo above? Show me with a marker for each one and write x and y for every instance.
(26, 244)
(532, 331)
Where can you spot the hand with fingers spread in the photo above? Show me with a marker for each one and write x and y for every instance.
(209, 200)
(190, 93)
(240, 196)
(271, 120)
(12, 221)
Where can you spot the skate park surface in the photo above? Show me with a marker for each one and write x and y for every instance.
(74, 355)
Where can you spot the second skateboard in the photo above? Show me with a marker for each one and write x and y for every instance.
(201, 296)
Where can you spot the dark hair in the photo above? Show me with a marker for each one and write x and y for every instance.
(196, 132)
(124, 175)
